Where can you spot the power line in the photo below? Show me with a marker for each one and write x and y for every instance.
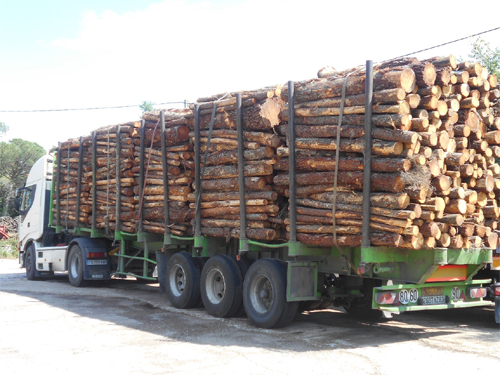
(444, 44)
(84, 109)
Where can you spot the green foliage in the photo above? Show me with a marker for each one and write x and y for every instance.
(16, 159)
(7, 199)
(146, 106)
(488, 57)
(8, 248)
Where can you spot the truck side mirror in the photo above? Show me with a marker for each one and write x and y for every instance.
(17, 203)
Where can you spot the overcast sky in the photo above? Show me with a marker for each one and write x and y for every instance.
(58, 54)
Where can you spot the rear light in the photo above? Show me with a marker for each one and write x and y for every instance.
(386, 298)
(497, 291)
(476, 292)
(96, 255)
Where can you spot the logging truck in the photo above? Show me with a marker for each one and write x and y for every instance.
(268, 281)
(79, 217)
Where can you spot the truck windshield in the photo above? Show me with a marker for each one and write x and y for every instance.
(27, 196)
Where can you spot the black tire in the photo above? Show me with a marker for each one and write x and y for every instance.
(75, 267)
(30, 262)
(183, 281)
(264, 294)
(362, 307)
(221, 286)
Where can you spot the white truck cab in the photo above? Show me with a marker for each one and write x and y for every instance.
(33, 201)
(42, 251)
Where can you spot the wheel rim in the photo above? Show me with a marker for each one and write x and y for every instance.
(261, 294)
(75, 266)
(177, 280)
(215, 286)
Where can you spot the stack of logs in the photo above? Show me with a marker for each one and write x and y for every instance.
(68, 166)
(435, 181)
(106, 188)
(219, 202)
(434, 176)
(180, 173)
(105, 174)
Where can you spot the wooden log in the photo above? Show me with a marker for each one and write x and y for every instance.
(376, 239)
(219, 212)
(389, 201)
(222, 223)
(230, 171)
(388, 182)
(345, 164)
(402, 108)
(350, 131)
(383, 148)
(330, 88)
(231, 184)
(264, 234)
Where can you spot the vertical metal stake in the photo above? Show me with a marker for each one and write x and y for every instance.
(94, 180)
(141, 174)
(197, 169)
(241, 176)
(367, 160)
(118, 180)
(166, 239)
(291, 162)
(58, 186)
(79, 183)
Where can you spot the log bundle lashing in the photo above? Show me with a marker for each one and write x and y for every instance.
(434, 180)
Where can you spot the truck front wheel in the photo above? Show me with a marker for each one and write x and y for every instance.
(183, 281)
(75, 267)
(264, 294)
(30, 262)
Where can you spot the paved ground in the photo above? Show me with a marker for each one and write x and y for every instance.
(123, 327)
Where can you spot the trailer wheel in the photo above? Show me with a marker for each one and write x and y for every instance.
(264, 294)
(75, 267)
(30, 262)
(362, 307)
(183, 281)
(221, 286)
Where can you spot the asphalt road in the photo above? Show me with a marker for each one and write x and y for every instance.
(123, 327)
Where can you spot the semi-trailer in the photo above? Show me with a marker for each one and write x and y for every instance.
(268, 278)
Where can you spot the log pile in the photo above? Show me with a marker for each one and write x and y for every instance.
(106, 189)
(219, 201)
(67, 188)
(434, 176)
(435, 181)
(180, 173)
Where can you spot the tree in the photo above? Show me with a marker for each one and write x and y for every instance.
(146, 106)
(488, 57)
(16, 159)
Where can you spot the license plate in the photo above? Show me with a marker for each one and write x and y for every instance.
(433, 300)
(100, 262)
(432, 291)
